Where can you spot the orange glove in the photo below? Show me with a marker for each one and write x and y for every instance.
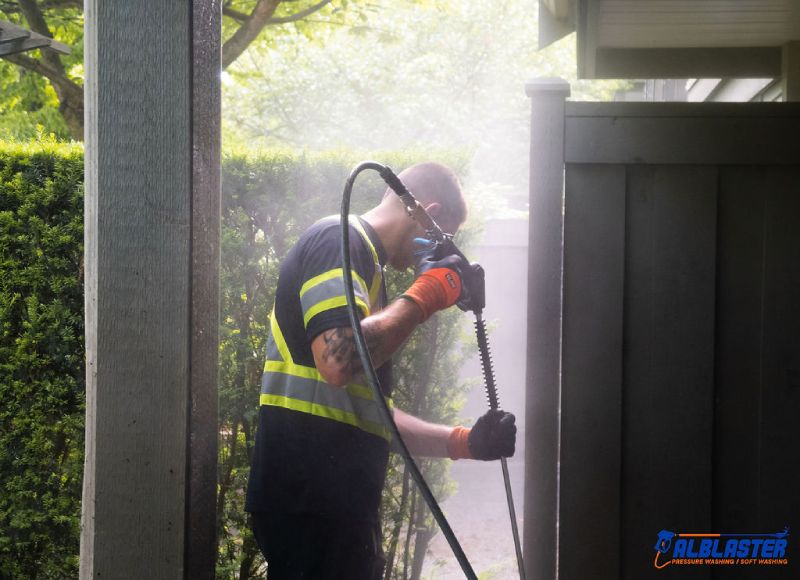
(458, 444)
(438, 285)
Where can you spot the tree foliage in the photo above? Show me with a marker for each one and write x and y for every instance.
(43, 90)
(438, 73)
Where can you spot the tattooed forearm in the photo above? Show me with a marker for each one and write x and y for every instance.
(340, 349)
(334, 350)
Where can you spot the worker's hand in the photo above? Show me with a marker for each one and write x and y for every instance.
(473, 289)
(439, 279)
(493, 436)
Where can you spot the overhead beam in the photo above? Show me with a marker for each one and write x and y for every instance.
(10, 33)
(14, 39)
(665, 39)
(556, 20)
(677, 63)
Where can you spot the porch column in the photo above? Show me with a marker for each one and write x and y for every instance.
(151, 285)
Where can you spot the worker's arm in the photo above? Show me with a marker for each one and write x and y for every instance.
(493, 436)
(422, 438)
(437, 287)
(334, 350)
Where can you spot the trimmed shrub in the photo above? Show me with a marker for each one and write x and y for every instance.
(41, 359)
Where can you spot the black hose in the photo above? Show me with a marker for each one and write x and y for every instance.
(372, 377)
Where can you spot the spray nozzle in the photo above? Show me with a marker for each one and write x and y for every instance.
(425, 245)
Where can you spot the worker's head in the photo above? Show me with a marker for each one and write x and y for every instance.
(437, 188)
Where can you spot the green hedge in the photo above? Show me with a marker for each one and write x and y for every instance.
(41, 359)
(269, 198)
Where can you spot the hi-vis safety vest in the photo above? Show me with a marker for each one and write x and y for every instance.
(302, 388)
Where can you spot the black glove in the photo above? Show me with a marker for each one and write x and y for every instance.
(493, 436)
(445, 255)
(474, 297)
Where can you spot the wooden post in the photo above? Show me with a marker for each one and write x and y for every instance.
(543, 382)
(151, 283)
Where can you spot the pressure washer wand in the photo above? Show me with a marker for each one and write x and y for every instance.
(477, 303)
(491, 394)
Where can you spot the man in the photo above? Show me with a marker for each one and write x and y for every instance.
(321, 448)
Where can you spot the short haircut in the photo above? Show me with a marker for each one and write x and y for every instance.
(434, 182)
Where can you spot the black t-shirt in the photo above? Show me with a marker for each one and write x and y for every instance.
(304, 463)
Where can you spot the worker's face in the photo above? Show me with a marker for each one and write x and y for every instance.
(406, 258)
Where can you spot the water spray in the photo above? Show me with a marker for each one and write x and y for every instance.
(476, 304)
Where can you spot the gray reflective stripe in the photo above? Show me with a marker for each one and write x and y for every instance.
(272, 350)
(378, 274)
(319, 393)
(332, 288)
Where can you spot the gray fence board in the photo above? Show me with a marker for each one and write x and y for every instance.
(780, 405)
(669, 342)
(758, 355)
(701, 140)
(591, 398)
(705, 424)
(739, 343)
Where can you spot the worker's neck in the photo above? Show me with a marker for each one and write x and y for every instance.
(391, 231)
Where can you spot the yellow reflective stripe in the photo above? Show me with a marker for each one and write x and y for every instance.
(335, 302)
(326, 412)
(275, 366)
(277, 336)
(361, 391)
(374, 288)
(360, 229)
(330, 275)
(324, 277)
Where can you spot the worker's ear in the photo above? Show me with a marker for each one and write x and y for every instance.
(434, 208)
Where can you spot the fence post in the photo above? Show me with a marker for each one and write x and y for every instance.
(542, 377)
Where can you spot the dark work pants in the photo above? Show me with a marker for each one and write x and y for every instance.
(312, 548)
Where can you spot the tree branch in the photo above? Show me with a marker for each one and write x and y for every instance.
(299, 15)
(253, 24)
(54, 75)
(62, 4)
(235, 14)
(35, 17)
(70, 94)
(38, 24)
(248, 31)
(32, 64)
